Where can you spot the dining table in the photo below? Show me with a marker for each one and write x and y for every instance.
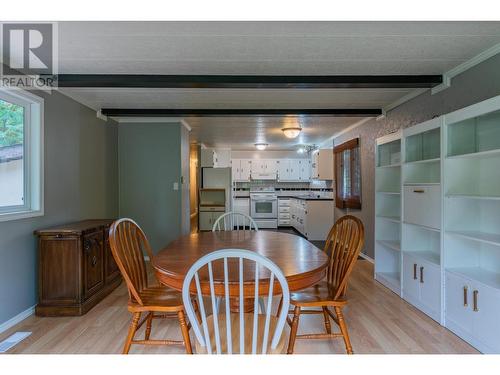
(302, 263)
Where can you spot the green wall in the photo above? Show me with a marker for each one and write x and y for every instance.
(149, 165)
(81, 181)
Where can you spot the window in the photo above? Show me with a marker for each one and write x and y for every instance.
(21, 157)
(348, 175)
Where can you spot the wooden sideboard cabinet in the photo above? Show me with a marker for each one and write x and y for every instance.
(76, 268)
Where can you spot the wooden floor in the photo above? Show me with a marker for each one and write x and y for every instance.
(378, 320)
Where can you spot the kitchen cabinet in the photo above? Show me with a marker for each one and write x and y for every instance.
(322, 165)
(422, 285)
(304, 170)
(211, 158)
(207, 218)
(312, 218)
(241, 170)
(241, 205)
(472, 311)
(264, 169)
(284, 214)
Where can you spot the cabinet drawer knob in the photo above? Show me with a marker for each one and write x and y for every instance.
(466, 303)
(94, 261)
(419, 191)
(474, 300)
(414, 271)
(422, 275)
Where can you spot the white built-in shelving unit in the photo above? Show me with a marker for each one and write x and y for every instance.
(442, 252)
(388, 212)
(472, 224)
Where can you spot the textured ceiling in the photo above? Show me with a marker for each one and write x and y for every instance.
(242, 133)
(266, 48)
(279, 48)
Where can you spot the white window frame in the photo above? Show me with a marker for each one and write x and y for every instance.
(33, 157)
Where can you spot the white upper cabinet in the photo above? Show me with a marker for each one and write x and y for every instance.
(304, 170)
(211, 158)
(264, 169)
(322, 165)
(241, 169)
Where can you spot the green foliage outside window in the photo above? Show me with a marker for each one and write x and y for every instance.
(11, 124)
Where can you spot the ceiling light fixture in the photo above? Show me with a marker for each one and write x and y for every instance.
(291, 132)
(261, 146)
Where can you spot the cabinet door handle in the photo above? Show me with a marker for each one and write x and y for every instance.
(474, 300)
(422, 275)
(466, 291)
(419, 191)
(414, 271)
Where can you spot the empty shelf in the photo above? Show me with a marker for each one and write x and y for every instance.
(393, 245)
(479, 274)
(395, 219)
(490, 238)
(428, 256)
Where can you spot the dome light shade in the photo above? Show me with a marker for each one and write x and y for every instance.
(261, 146)
(291, 132)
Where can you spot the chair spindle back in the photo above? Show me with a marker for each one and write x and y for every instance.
(127, 242)
(343, 244)
(201, 329)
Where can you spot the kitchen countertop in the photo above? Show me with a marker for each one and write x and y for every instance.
(306, 197)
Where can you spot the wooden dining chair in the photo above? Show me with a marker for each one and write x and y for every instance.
(128, 241)
(230, 220)
(225, 331)
(343, 244)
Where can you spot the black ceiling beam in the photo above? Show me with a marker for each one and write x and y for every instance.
(248, 81)
(158, 112)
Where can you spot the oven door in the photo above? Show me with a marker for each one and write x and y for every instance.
(263, 208)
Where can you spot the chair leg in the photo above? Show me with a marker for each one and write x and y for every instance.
(327, 320)
(185, 332)
(131, 332)
(343, 329)
(293, 331)
(149, 322)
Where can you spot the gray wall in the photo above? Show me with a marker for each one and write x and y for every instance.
(81, 181)
(149, 165)
(476, 84)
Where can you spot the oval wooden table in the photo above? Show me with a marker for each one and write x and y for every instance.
(302, 263)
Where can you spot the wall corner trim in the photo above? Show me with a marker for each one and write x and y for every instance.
(17, 319)
(100, 116)
(459, 69)
(366, 257)
(186, 125)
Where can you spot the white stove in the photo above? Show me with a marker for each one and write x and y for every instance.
(264, 206)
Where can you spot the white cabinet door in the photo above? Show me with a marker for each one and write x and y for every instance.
(430, 289)
(411, 289)
(458, 299)
(305, 170)
(222, 158)
(205, 220)
(294, 170)
(245, 169)
(283, 167)
(486, 325)
(242, 206)
(208, 158)
(423, 205)
(271, 167)
(314, 166)
(236, 169)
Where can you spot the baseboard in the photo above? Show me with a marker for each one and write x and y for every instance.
(17, 319)
(366, 257)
